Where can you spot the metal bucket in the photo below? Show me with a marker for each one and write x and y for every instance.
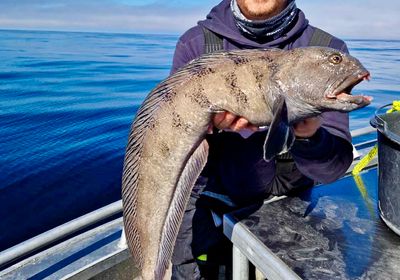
(388, 127)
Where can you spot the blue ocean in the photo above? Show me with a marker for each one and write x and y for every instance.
(67, 101)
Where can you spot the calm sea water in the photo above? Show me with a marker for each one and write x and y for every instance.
(66, 104)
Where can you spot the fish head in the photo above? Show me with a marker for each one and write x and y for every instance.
(321, 79)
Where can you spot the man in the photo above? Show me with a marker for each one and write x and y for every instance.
(235, 175)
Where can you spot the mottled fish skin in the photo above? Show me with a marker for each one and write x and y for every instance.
(166, 150)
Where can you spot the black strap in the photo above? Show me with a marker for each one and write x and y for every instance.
(320, 38)
(284, 157)
(212, 41)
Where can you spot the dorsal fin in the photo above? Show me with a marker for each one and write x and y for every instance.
(130, 177)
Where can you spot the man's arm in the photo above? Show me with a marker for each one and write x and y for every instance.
(325, 156)
(189, 46)
(181, 57)
(319, 153)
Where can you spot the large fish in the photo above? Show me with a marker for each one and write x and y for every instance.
(167, 151)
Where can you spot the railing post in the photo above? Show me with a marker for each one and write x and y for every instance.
(240, 265)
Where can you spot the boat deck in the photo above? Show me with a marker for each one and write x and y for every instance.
(331, 231)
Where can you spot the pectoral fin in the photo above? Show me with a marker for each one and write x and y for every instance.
(280, 135)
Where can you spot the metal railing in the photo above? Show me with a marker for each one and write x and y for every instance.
(57, 233)
(362, 131)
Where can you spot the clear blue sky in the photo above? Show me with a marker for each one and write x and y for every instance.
(344, 18)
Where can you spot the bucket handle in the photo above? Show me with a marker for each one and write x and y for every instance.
(381, 125)
(377, 122)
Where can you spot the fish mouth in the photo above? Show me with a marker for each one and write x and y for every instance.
(343, 92)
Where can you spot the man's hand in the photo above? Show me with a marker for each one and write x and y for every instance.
(227, 120)
(307, 127)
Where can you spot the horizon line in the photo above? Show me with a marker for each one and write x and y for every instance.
(155, 33)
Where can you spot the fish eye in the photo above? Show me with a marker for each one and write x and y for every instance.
(335, 58)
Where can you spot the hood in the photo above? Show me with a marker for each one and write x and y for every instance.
(220, 20)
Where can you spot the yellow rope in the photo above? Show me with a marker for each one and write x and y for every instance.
(373, 152)
(363, 190)
(365, 160)
(395, 107)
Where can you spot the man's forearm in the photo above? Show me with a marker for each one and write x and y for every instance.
(323, 157)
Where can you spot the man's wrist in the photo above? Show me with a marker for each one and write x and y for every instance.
(318, 146)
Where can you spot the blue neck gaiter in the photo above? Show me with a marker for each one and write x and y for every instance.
(265, 30)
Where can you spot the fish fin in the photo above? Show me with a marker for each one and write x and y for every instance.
(189, 175)
(280, 135)
(130, 176)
